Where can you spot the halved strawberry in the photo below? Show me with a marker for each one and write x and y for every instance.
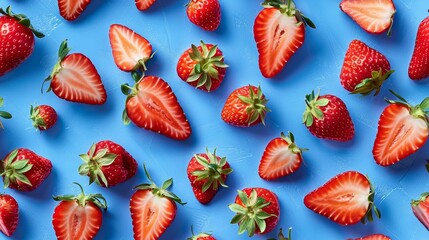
(130, 50)
(71, 9)
(420, 209)
(373, 237)
(281, 157)
(4, 114)
(279, 31)
(75, 79)
(345, 199)
(402, 130)
(374, 16)
(144, 4)
(9, 214)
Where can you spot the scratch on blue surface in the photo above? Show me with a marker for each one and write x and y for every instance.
(167, 31)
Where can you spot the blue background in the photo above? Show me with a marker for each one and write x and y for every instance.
(316, 65)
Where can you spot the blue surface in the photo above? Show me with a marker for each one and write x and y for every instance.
(316, 65)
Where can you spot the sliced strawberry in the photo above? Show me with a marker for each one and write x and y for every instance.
(71, 9)
(130, 50)
(144, 4)
(374, 16)
(373, 237)
(9, 214)
(420, 209)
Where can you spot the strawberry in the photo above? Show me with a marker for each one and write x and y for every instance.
(420, 209)
(4, 114)
(201, 236)
(374, 16)
(107, 164)
(364, 69)
(204, 13)
(245, 107)
(345, 199)
(43, 117)
(130, 50)
(202, 67)
(327, 117)
(24, 170)
(151, 104)
(206, 171)
(279, 31)
(16, 39)
(374, 237)
(402, 130)
(153, 209)
(143, 5)
(281, 157)
(9, 214)
(70, 10)
(282, 237)
(418, 68)
(75, 79)
(78, 216)
(257, 211)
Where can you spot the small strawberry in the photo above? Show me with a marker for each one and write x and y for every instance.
(24, 170)
(373, 237)
(257, 211)
(43, 117)
(202, 67)
(245, 107)
(201, 236)
(107, 164)
(153, 209)
(9, 214)
(75, 79)
(402, 130)
(279, 31)
(345, 199)
(78, 216)
(418, 68)
(364, 69)
(3, 114)
(327, 117)
(70, 10)
(143, 5)
(16, 39)
(374, 16)
(420, 209)
(282, 237)
(281, 157)
(204, 13)
(206, 172)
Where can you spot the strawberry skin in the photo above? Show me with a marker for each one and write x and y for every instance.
(143, 5)
(70, 10)
(364, 69)
(420, 209)
(43, 117)
(9, 214)
(374, 237)
(204, 13)
(418, 68)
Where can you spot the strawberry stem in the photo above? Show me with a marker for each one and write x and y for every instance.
(83, 199)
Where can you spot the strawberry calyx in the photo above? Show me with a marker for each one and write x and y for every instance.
(130, 92)
(290, 10)
(422, 198)
(93, 162)
(373, 83)
(250, 214)
(14, 170)
(212, 172)
(38, 121)
(312, 111)
(418, 111)
(282, 237)
(290, 139)
(256, 108)
(205, 68)
(196, 237)
(141, 63)
(22, 19)
(4, 114)
(83, 199)
(369, 214)
(63, 51)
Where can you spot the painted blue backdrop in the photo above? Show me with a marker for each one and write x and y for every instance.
(316, 65)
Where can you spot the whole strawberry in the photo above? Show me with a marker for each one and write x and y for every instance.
(245, 107)
(327, 117)
(257, 211)
(43, 117)
(9, 214)
(16, 39)
(420, 209)
(107, 164)
(202, 67)
(24, 170)
(4, 114)
(204, 13)
(418, 68)
(364, 69)
(206, 172)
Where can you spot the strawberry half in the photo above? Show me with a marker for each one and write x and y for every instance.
(130, 50)
(3, 114)
(70, 10)
(279, 31)
(281, 157)
(402, 130)
(75, 79)
(345, 199)
(373, 237)
(9, 214)
(78, 217)
(418, 68)
(153, 209)
(204, 13)
(374, 16)
(151, 104)
(420, 209)
(43, 117)
(143, 5)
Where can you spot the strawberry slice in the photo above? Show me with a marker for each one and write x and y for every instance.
(144, 4)
(374, 16)
(373, 237)
(130, 50)
(345, 199)
(71, 9)
(75, 79)
(420, 209)
(402, 130)
(280, 158)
